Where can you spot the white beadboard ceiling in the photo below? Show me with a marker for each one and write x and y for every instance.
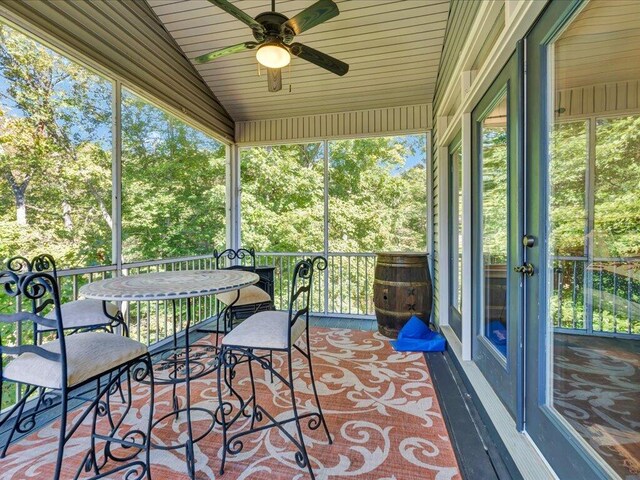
(392, 46)
(601, 45)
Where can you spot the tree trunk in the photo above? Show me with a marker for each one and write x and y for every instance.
(21, 207)
(66, 215)
(103, 209)
(20, 196)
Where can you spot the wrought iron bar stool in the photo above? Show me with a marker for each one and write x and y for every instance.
(78, 315)
(277, 332)
(69, 365)
(252, 298)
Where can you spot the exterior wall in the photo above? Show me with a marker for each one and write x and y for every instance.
(461, 16)
(477, 45)
(373, 122)
(602, 99)
(126, 39)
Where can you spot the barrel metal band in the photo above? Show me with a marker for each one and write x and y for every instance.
(390, 283)
(393, 314)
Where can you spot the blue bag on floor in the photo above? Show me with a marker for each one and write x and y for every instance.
(416, 336)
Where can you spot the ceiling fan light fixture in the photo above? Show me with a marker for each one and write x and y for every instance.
(272, 55)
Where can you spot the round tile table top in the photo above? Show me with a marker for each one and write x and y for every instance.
(168, 285)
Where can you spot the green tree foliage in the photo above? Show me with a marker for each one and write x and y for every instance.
(377, 196)
(567, 173)
(55, 159)
(282, 198)
(377, 200)
(173, 185)
(494, 194)
(617, 195)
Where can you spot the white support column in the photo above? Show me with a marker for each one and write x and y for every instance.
(429, 205)
(116, 177)
(443, 234)
(325, 148)
(467, 284)
(234, 190)
(116, 188)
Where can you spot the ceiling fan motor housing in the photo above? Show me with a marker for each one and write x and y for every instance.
(272, 23)
(273, 29)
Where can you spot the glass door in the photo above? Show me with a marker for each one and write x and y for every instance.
(583, 209)
(496, 234)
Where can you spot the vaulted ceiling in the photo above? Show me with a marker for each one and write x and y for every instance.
(604, 33)
(393, 48)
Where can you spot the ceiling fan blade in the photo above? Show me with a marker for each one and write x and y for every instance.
(274, 77)
(318, 58)
(239, 14)
(240, 47)
(319, 12)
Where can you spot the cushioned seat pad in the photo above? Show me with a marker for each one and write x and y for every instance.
(248, 296)
(265, 330)
(83, 313)
(88, 354)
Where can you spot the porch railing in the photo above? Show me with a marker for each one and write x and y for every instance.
(344, 288)
(596, 297)
(601, 297)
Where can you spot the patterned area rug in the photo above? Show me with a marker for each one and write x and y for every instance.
(380, 407)
(597, 389)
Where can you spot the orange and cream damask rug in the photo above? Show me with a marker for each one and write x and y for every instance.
(380, 406)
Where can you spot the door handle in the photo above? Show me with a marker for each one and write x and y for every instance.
(527, 269)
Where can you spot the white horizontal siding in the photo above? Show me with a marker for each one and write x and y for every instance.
(603, 99)
(372, 122)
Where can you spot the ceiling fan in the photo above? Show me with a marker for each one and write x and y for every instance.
(274, 34)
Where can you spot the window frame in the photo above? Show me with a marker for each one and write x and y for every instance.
(455, 220)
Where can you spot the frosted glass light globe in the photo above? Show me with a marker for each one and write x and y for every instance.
(273, 56)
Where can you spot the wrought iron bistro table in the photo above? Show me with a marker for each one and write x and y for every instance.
(177, 364)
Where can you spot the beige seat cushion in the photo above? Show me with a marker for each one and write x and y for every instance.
(88, 354)
(265, 330)
(248, 296)
(83, 313)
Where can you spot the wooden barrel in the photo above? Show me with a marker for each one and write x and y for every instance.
(401, 288)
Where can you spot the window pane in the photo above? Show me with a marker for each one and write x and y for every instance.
(173, 185)
(55, 155)
(456, 228)
(616, 229)
(283, 198)
(568, 221)
(377, 194)
(455, 252)
(494, 224)
(568, 169)
(593, 292)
